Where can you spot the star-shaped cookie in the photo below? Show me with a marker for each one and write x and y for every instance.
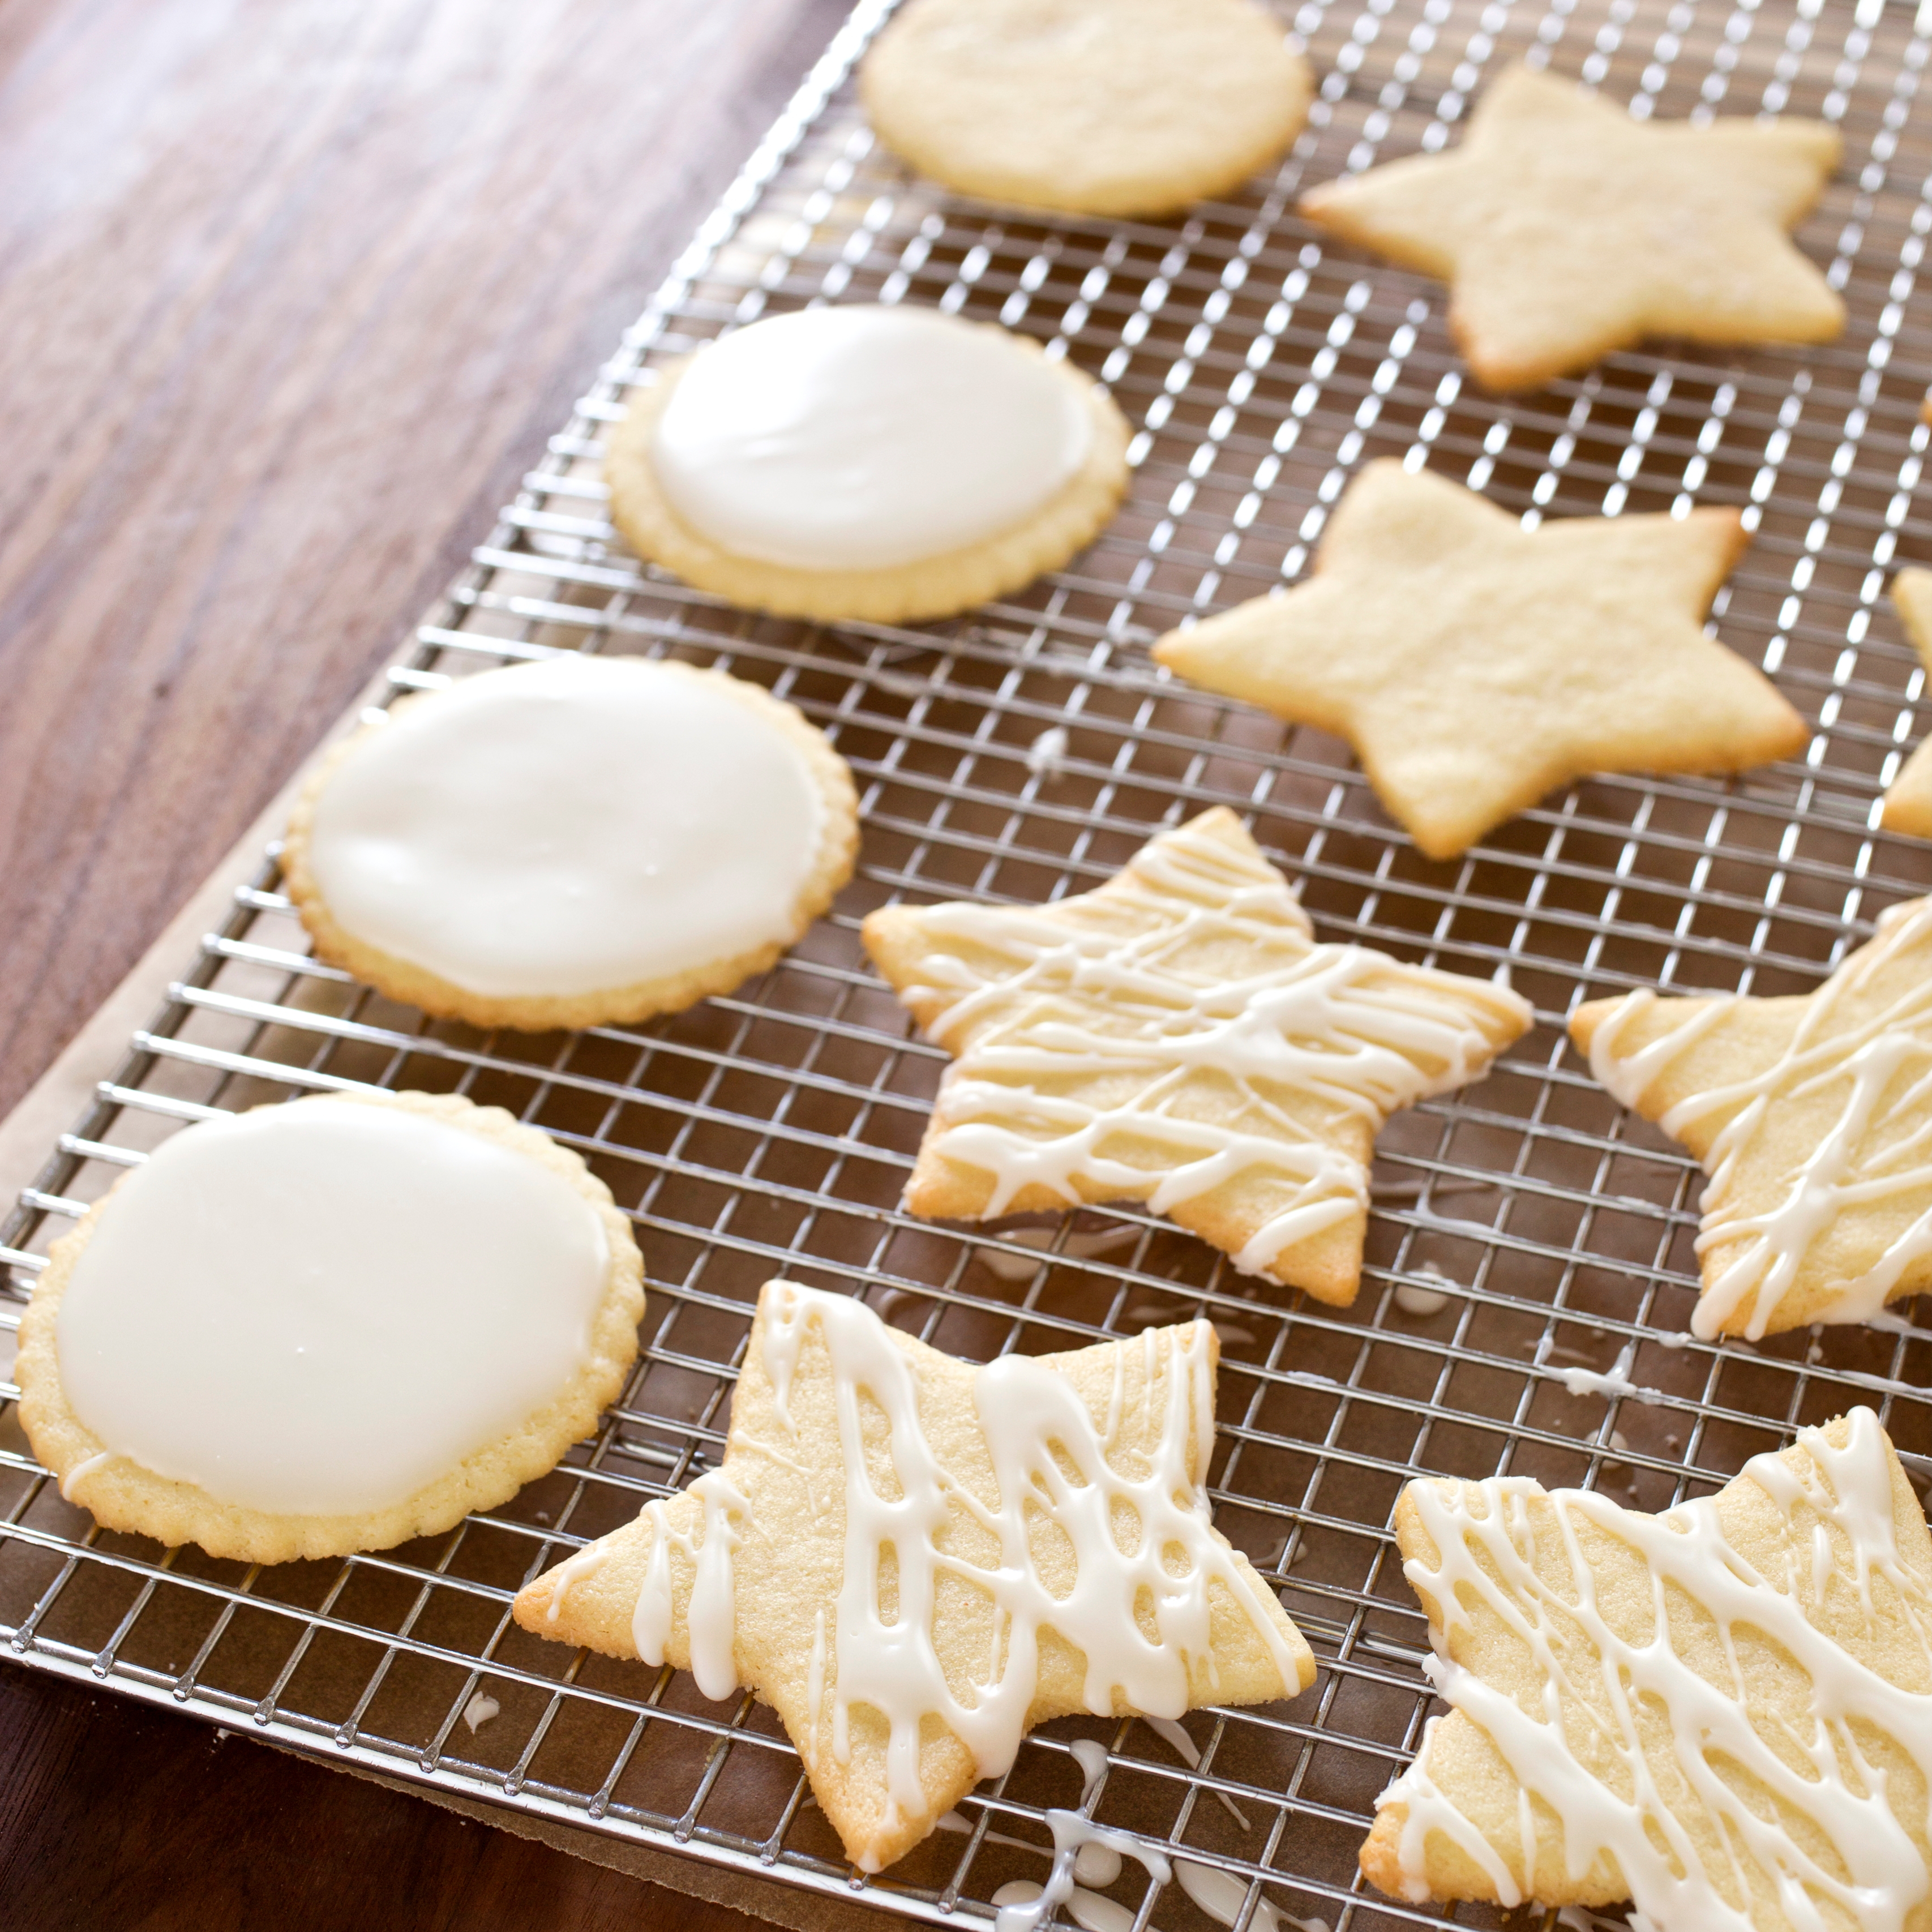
(1566, 229)
(1811, 1113)
(914, 1561)
(1908, 800)
(1475, 665)
(1177, 1037)
(1720, 1713)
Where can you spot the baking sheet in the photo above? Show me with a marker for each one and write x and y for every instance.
(769, 1132)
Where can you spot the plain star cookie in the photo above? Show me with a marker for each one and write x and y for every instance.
(1475, 666)
(328, 1326)
(1115, 107)
(581, 842)
(1178, 1037)
(1908, 800)
(913, 1561)
(1812, 1115)
(886, 464)
(1722, 1715)
(1566, 228)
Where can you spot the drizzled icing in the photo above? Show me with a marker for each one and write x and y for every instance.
(1602, 1679)
(712, 1613)
(1874, 1152)
(575, 826)
(1080, 1045)
(1025, 1411)
(866, 438)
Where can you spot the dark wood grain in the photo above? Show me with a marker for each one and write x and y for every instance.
(112, 1819)
(290, 292)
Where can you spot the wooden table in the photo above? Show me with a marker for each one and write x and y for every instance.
(291, 291)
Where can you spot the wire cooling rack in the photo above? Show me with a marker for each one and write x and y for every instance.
(1023, 753)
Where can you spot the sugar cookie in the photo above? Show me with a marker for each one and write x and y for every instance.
(1177, 1037)
(1908, 800)
(1566, 228)
(329, 1326)
(1812, 1115)
(574, 843)
(1092, 106)
(1475, 666)
(904, 1683)
(1722, 1714)
(887, 463)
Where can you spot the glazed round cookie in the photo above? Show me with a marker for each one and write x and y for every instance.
(881, 463)
(1116, 107)
(579, 842)
(329, 1326)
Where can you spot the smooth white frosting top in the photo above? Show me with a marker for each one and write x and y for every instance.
(319, 1309)
(568, 827)
(861, 438)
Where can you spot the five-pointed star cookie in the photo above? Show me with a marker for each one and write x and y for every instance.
(1475, 665)
(1566, 229)
(1177, 1037)
(913, 1561)
(1811, 1113)
(1725, 1722)
(1908, 800)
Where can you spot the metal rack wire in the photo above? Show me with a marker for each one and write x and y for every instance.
(769, 1132)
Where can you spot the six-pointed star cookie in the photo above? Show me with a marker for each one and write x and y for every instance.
(1567, 229)
(1908, 800)
(1475, 665)
(1811, 1113)
(1177, 1037)
(1724, 1720)
(913, 1561)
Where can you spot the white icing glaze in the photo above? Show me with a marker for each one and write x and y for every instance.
(86, 1467)
(864, 438)
(1076, 1247)
(1094, 1912)
(1044, 754)
(570, 1572)
(1222, 1895)
(1072, 1834)
(1870, 1153)
(1413, 1299)
(319, 1309)
(1340, 1026)
(1092, 1760)
(1023, 1407)
(1185, 1748)
(568, 827)
(1839, 1515)
(712, 1613)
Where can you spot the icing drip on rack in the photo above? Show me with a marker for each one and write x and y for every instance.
(1072, 1837)
(1211, 971)
(1877, 1149)
(1602, 1692)
(1027, 1412)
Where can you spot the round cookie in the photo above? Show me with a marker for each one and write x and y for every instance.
(1121, 107)
(886, 464)
(579, 842)
(329, 1326)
